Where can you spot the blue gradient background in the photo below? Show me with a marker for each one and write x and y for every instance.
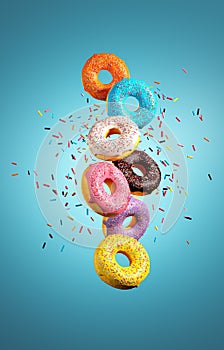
(53, 300)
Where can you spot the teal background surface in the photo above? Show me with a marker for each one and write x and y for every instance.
(53, 300)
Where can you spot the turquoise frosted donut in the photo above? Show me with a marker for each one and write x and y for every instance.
(147, 100)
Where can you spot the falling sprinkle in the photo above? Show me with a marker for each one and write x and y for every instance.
(62, 248)
(70, 218)
(184, 70)
(15, 174)
(154, 239)
(206, 139)
(210, 178)
(80, 230)
(188, 217)
(156, 228)
(198, 111)
(13, 163)
(176, 99)
(50, 235)
(44, 245)
(193, 147)
(190, 157)
(187, 242)
(39, 112)
(161, 209)
(178, 119)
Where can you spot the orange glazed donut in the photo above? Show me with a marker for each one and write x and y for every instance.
(91, 69)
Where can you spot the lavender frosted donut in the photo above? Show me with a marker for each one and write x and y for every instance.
(140, 220)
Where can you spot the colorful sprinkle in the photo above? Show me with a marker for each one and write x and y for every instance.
(188, 217)
(39, 112)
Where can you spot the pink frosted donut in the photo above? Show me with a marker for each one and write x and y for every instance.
(94, 193)
(140, 220)
(113, 149)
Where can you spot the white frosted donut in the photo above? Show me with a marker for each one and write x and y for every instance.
(113, 149)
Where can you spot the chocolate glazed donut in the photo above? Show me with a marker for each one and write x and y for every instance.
(140, 185)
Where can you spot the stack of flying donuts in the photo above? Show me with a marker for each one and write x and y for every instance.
(117, 157)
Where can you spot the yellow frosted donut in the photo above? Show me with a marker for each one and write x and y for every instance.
(117, 276)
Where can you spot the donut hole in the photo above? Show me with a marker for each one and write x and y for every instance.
(131, 104)
(113, 133)
(122, 259)
(109, 186)
(105, 77)
(138, 169)
(129, 222)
